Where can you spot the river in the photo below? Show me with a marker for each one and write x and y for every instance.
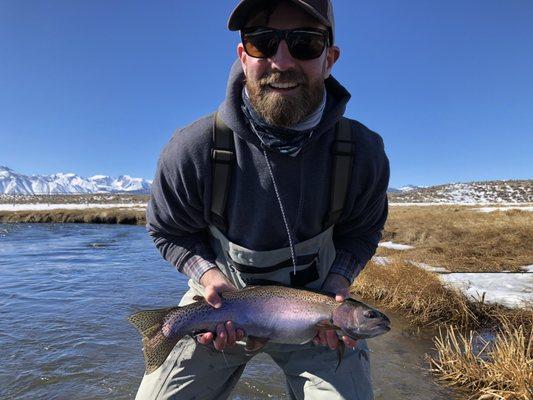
(67, 289)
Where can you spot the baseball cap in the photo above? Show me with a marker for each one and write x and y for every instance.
(320, 9)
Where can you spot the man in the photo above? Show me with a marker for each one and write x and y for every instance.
(273, 219)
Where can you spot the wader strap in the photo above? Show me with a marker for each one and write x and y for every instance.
(250, 269)
(223, 156)
(343, 150)
(298, 279)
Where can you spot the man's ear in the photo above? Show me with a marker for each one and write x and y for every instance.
(242, 56)
(333, 54)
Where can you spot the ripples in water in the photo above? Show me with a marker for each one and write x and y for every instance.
(66, 291)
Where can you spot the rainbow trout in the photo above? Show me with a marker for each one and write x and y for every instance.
(277, 314)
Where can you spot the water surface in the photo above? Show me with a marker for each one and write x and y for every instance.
(67, 289)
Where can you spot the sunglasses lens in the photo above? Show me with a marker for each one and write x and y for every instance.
(306, 45)
(303, 44)
(261, 45)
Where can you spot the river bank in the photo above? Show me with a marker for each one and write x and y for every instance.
(88, 215)
(423, 248)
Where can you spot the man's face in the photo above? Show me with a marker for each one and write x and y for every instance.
(285, 107)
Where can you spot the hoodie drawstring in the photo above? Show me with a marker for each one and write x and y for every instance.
(293, 253)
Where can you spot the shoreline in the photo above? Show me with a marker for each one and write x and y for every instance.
(93, 215)
(133, 212)
(419, 242)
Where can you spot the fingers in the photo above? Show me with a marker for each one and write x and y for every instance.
(226, 336)
(331, 339)
(205, 338)
(231, 334)
(221, 339)
(327, 338)
(342, 294)
(212, 297)
(349, 342)
(317, 340)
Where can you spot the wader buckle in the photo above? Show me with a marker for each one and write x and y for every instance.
(222, 156)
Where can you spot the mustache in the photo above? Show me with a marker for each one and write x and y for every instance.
(283, 77)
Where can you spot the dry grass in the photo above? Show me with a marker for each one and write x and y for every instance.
(94, 216)
(500, 369)
(423, 298)
(419, 294)
(463, 240)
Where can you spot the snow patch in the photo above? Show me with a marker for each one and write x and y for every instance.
(44, 207)
(486, 192)
(513, 290)
(395, 246)
(381, 260)
(528, 268)
(428, 267)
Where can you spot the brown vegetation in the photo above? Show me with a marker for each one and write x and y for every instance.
(462, 239)
(418, 294)
(93, 216)
(501, 369)
(425, 301)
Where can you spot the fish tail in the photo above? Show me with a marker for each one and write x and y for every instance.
(157, 343)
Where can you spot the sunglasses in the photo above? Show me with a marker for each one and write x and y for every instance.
(303, 43)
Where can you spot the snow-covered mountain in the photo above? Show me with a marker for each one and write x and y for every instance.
(12, 182)
(409, 188)
(487, 192)
(406, 188)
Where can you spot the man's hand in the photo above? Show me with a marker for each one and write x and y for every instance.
(339, 285)
(215, 282)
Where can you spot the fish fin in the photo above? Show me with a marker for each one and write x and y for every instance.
(199, 298)
(340, 353)
(326, 325)
(254, 343)
(156, 345)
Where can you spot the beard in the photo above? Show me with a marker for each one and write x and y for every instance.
(285, 109)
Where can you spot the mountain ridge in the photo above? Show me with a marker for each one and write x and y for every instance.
(13, 183)
(477, 192)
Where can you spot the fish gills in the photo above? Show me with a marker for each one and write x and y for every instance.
(156, 346)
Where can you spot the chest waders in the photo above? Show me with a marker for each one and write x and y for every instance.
(197, 372)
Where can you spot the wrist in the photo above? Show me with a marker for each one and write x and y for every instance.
(212, 276)
(336, 281)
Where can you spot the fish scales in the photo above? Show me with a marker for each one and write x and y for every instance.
(277, 314)
(284, 316)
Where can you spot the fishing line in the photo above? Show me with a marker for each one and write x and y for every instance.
(225, 359)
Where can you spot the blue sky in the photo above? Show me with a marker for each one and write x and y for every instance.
(97, 87)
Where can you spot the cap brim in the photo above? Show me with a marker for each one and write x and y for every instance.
(239, 16)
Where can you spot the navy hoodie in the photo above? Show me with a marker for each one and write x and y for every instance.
(178, 213)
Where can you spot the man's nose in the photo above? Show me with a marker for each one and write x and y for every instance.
(283, 60)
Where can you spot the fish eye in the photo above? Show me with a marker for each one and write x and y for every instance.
(371, 314)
